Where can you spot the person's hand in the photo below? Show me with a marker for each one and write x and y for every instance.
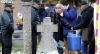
(71, 28)
(66, 7)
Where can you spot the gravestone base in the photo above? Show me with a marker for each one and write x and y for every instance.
(19, 40)
(51, 52)
(47, 45)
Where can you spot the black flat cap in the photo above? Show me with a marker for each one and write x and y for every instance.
(64, 2)
(82, 3)
(37, 1)
(8, 5)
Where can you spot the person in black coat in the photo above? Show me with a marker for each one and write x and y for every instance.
(0, 29)
(57, 19)
(7, 28)
(91, 37)
(86, 16)
(34, 21)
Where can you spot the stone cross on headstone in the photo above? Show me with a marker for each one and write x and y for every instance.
(47, 44)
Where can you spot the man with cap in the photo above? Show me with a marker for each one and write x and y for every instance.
(34, 21)
(86, 16)
(7, 28)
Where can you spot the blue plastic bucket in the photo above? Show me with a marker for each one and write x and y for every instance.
(74, 42)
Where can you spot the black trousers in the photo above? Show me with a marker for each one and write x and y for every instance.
(0, 37)
(34, 43)
(92, 48)
(56, 37)
(6, 42)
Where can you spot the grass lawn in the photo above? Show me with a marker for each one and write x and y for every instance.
(15, 48)
(0, 47)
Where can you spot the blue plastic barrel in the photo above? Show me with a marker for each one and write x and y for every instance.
(74, 42)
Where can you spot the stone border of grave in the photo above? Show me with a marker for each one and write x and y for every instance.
(18, 38)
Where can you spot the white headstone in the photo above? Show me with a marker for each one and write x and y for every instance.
(47, 44)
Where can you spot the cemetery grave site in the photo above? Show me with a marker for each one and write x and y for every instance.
(22, 36)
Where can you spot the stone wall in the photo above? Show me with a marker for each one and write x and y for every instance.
(16, 9)
(1, 7)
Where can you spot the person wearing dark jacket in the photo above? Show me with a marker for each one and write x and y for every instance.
(50, 8)
(91, 37)
(41, 12)
(7, 28)
(57, 19)
(0, 29)
(86, 16)
(34, 21)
